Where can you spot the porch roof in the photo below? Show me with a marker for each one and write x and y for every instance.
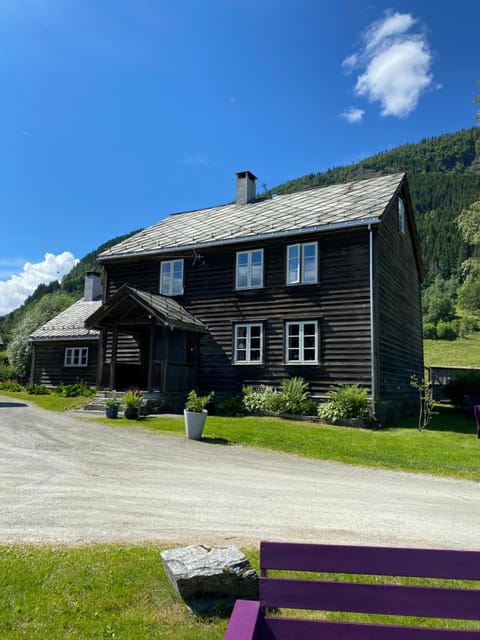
(167, 311)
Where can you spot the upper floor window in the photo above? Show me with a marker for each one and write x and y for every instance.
(76, 356)
(248, 343)
(302, 342)
(171, 277)
(401, 215)
(249, 271)
(302, 263)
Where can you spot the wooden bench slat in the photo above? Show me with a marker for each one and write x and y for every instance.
(245, 621)
(429, 602)
(430, 563)
(288, 629)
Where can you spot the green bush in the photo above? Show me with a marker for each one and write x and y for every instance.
(345, 402)
(295, 394)
(11, 385)
(275, 402)
(6, 372)
(37, 390)
(76, 390)
(429, 331)
(467, 325)
(447, 330)
(231, 404)
(255, 398)
(462, 384)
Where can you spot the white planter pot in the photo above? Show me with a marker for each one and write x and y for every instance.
(194, 423)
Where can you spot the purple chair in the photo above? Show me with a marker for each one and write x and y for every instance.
(476, 411)
(259, 620)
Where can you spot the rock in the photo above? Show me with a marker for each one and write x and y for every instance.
(210, 576)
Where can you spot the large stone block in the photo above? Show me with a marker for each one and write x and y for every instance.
(208, 576)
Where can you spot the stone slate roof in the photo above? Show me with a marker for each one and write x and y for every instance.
(69, 323)
(163, 308)
(324, 208)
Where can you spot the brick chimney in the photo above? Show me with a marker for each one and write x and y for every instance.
(246, 190)
(93, 286)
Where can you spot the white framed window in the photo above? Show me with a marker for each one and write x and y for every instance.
(248, 343)
(76, 356)
(301, 345)
(401, 215)
(171, 278)
(249, 269)
(302, 263)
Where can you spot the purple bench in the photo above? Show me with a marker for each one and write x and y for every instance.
(252, 620)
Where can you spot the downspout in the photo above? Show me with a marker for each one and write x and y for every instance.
(372, 324)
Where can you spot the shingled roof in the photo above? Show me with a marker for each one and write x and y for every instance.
(69, 323)
(349, 204)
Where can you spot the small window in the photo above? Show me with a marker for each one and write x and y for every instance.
(248, 347)
(302, 263)
(302, 342)
(401, 216)
(249, 269)
(171, 278)
(76, 356)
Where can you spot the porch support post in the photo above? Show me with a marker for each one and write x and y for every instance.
(165, 359)
(113, 359)
(151, 354)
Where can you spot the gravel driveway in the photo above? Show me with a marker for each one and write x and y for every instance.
(66, 479)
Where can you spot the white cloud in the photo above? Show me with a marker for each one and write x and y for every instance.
(393, 64)
(15, 290)
(353, 115)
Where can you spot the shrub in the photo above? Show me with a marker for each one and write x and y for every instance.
(467, 325)
(197, 403)
(37, 390)
(275, 402)
(6, 372)
(75, 390)
(464, 383)
(346, 402)
(231, 404)
(295, 394)
(255, 398)
(429, 331)
(11, 385)
(447, 330)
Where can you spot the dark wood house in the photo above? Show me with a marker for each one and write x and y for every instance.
(64, 351)
(322, 284)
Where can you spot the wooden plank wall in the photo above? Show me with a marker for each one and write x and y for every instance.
(400, 342)
(340, 303)
(49, 364)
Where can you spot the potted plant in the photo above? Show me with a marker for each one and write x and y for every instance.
(132, 401)
(111, 407)
(195, 414)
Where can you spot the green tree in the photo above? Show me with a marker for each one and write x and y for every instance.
(19, 349)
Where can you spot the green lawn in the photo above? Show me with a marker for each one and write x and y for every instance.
(94, 592)
(463, 352)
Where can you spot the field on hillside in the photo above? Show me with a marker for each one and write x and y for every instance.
(463, 352)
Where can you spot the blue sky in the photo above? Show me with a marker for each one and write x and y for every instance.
(116, 113)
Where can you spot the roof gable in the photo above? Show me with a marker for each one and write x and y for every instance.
(164, 309)
(348, 204)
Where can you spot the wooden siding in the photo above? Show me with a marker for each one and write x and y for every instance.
(49, 359)
(340, 303)
(399, 319)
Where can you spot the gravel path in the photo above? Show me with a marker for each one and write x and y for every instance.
(65, 479)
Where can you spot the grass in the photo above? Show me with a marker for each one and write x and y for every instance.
(51, 402)
(462, 352)
(448, 447)
(101, 591)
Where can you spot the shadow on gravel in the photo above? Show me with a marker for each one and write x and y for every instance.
(12, 405)
(216, 440)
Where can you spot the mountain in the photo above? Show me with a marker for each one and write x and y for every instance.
(444, 177)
